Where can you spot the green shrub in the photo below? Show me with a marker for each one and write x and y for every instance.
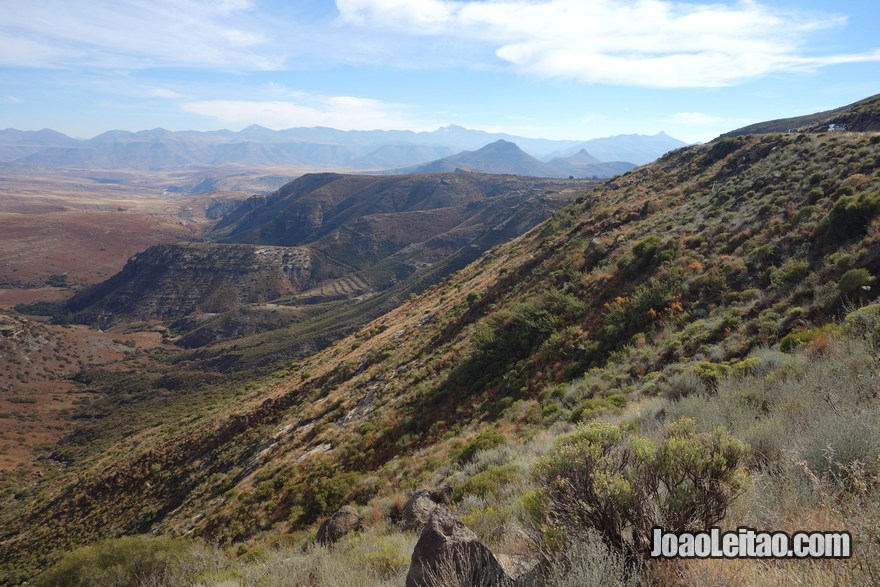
(798, 338)
(792, 271)
(324, 491)
(505, 338)
(853, 280)
(622, 485)
(864, 323)
(650, 252)
(131, 560)
(484, 441)
(710, 373)
(851, 215)
(682, 385)
(488, 483)
(592, 407)
(587, 560)
(721, 149)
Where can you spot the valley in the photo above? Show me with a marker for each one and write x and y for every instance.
(525, 352)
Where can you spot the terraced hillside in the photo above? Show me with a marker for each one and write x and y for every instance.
(682, 288)
(324, 238)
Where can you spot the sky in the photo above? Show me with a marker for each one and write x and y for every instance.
(558, 69)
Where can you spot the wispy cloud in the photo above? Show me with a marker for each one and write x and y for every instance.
(341, 112)
(647, 43)
(134, 34)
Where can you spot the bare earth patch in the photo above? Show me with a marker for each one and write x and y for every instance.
(37, 395)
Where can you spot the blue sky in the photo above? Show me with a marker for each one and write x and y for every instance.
(562, 69)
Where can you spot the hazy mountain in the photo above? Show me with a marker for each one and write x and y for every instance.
(506, 157)
(633, 148)
(35, 138)
(157, 149)
(583, 164)
(395, 155)
(498, 157)
(18, 144)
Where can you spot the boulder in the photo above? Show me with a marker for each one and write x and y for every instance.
(417, 510)
(346, 520)
(448, 554)
(526, 571)
(419, 506)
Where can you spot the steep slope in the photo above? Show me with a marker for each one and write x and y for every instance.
(168, 281)
(862, 116)
(682, 266)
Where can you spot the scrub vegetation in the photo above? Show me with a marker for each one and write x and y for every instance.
(691, 343)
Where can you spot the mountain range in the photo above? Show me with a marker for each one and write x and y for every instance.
(693, 342)
(326, 148)
(504, 157)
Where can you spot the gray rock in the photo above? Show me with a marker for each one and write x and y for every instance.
(417, 510)
(338, 525)
(448, 554)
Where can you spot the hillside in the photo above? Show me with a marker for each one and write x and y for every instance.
(169, 281)
(321, 239)
(859, 117)
(643, 299)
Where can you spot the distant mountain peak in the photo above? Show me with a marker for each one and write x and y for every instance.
(502, 144)
(255, 127)
(323, 147)
(582, 157)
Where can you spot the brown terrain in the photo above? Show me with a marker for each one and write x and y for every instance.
(83, 226)
(37, 394)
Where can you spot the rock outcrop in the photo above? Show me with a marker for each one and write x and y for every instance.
(167, 282)
(345, 520)
(449, 554)
(418, 508)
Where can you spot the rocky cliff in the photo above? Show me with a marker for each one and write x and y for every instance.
(169, 281)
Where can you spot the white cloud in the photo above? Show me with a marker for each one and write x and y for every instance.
(133, 34)
(648, 43)
(340, 112)
(13, 100)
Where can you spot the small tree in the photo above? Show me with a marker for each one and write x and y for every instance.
(622, 485)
